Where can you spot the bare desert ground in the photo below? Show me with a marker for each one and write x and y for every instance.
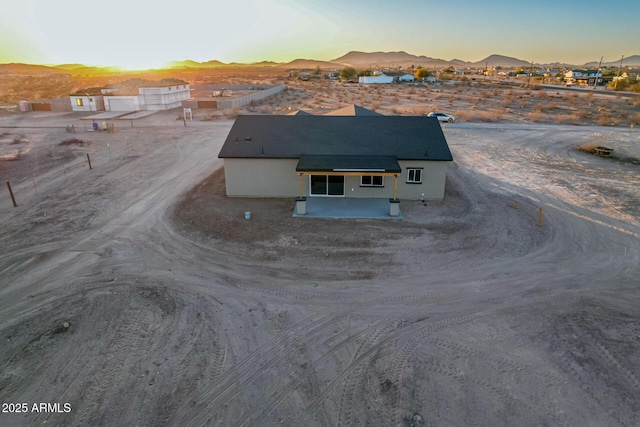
(139, 295)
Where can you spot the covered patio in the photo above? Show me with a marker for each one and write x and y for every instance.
(327, 175)
(345, 207)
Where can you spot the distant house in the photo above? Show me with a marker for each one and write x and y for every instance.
(386, 78)
(90, 99)
(139, 94)
(583, 77)
(401, 77)
(380, 78)
(360, 154)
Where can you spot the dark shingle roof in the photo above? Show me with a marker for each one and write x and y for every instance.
(406, 138)
(329, 163)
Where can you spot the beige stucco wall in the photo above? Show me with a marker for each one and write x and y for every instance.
(278, 178)
(434, 175)
(261, 177)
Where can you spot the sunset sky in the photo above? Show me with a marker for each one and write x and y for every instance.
(136, 34)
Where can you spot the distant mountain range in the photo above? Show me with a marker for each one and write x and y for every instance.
(354, 58)
(632, 61)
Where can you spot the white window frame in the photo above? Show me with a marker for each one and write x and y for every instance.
(412, 172)
(362, 184)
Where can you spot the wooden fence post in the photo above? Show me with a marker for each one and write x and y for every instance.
(13, 199)
(540, 218)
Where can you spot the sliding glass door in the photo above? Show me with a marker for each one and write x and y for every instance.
(326, 185)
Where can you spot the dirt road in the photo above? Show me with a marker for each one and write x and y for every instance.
(467, 312)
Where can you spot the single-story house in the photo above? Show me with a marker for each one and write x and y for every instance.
(401, 77)
(359, 156)
(378, 78)
(140, 94)
(90, 99)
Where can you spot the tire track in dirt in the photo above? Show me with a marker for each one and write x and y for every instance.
(346, 407)
(400, 360)
(453, 373)
(579, 374)
(283, 392)
(407, 330)
(250, 366)
(292, 385)
(127, 337)
(470, 353)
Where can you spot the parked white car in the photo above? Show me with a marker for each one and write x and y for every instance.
(442, 117)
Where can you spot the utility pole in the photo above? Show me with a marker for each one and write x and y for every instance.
(598, 72)
(530, 72)
(618, 76)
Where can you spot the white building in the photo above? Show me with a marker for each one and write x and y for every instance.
(583, 77)
(379, 78)
(87, 100)
(386, 78)
(401, 77)
(139, 94)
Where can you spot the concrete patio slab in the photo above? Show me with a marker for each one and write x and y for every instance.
(344, 207)
(137, 115)
(107, 115)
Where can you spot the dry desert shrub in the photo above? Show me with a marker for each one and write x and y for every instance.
(571, 119)
(635, 119)
(535, 116)
(419, 111)
(232, 113)
(479, 115)
(588, 147)
(583, 114)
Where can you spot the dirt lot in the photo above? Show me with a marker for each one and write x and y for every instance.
(137, 293)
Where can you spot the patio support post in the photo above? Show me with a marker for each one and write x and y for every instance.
(301, 202)
(395, 186)
(301, 186)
